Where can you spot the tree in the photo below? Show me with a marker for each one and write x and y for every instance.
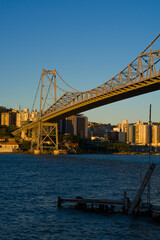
(25, 145)
(6, 131)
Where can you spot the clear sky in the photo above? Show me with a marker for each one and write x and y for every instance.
(87, 41)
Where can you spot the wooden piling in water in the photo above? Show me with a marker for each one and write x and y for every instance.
(59, 202)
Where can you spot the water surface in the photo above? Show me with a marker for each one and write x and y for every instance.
(30, 185)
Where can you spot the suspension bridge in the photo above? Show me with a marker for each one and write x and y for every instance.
(58, 100)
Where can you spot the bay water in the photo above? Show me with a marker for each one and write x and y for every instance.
(30, 186)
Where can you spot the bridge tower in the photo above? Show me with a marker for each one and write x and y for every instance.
(47, 132)
(53, 91)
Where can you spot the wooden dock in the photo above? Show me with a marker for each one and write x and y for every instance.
(97, 205)
(125, 206)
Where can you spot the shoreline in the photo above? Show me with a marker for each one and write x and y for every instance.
(114, 153)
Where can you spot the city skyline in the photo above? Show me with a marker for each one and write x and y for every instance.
(83, 41)
(34, 114)
(137, 133)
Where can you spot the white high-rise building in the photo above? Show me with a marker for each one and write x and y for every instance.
(124, 127)
(156, 135)
(33, 115)
(144, 134)
(24, 117)
(131, 134)
(141, 133)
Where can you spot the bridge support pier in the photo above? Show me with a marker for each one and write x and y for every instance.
(24, 135)
(47, 139)
(33, 138)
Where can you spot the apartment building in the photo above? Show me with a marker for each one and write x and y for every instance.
(131, 134)
(76, 125)
(124, 127)
(139, 133)
(8, 118)
(156, 135)
(24, 117)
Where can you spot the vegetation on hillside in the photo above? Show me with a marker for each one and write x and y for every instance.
(25, 145)
(6, 131)
(117, 147)
(4, 109)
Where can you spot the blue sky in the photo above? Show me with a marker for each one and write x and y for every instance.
(87, 41)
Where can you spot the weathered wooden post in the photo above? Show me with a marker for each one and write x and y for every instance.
(126, 202)
(59, 202)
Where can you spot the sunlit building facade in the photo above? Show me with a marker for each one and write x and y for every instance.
(8, 118)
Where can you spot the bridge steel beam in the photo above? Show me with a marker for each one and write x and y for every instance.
(135, 89)
(47, 140)
(122, 93)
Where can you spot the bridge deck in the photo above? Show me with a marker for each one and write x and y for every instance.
(126, 91)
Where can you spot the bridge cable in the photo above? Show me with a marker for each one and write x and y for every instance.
(36, 93)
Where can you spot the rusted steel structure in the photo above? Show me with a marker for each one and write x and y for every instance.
(59, 100)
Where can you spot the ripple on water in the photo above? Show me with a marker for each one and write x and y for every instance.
(30, 185)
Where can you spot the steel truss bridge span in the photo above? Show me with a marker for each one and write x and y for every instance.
(141, 76)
